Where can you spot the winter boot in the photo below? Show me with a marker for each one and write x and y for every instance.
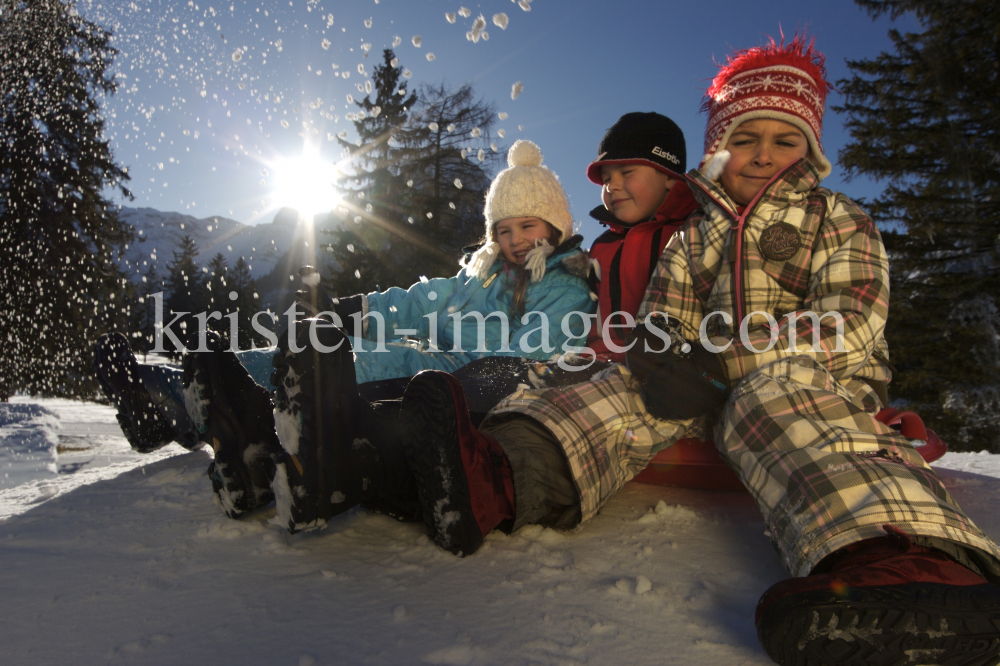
(388, 485)
(334, 456)
(147, 414)
(883, 601)
(235, 416)
(464, 480)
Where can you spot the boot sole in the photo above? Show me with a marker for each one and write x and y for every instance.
(432, 450)
(158, 433)
(322, 462)
(222, 426)
(915, 623)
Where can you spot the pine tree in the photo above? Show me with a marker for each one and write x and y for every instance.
(451, 169)
(246, 305)
(142, 332)
(187, 286)
(926, 120)
(217, 284)
(421, 176)
(225, 283)
(59, 285)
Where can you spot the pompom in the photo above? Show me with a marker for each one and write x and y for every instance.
(536, 257)
(478, 265)
(524, 153)
(714, 165)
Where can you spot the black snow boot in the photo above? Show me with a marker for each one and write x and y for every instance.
(148, 416)
(464, 479)
(235, 416)
(389, 486)
(338, 451)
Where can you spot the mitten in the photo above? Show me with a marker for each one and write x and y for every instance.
(684, 380)
(314, 299)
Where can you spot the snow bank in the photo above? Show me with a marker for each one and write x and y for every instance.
(30, 435)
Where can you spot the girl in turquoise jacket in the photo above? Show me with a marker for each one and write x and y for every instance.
(523, 292)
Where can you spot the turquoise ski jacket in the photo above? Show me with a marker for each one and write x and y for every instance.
(444, 323)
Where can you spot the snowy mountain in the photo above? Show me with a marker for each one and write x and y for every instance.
(288, 238)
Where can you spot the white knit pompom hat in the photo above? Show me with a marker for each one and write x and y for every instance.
(525, 189)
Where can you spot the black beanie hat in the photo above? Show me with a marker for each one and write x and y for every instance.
(642, 138)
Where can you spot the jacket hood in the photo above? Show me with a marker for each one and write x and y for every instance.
(795, 181)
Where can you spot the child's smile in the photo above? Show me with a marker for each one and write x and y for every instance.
(633, 192)
(517, 236)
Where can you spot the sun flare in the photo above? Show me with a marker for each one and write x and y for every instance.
(306, 183)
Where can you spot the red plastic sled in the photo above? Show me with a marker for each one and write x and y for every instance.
(694, 463)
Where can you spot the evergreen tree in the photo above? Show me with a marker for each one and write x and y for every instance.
(187, 286)
(225, 283)
(142, 331)
(421, 177)
(925, 120)
(452, 166)
(246, 305)
(217, 285)
(59, 285)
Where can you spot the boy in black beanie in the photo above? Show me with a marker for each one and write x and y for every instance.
(638, 166)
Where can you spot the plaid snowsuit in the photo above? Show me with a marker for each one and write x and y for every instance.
(799, 427)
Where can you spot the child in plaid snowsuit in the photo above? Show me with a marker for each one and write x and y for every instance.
(862, 522)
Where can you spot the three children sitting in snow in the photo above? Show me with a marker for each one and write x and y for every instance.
(883, 560)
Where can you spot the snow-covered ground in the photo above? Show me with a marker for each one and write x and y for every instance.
(111, 557)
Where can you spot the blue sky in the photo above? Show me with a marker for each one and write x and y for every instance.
(198, 80)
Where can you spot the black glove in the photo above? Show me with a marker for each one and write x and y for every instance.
(314, 299)
(680, 382)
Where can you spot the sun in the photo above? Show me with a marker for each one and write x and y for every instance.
(306, 183)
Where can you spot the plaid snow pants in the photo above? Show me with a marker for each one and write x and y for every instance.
(822, 470)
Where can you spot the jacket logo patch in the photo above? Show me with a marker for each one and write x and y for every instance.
(780, 241)
(659, 152)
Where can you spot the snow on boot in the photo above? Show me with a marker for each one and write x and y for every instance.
(235, 416)
(464, 480)
(883, 601)
(148, 417)
(315, 400)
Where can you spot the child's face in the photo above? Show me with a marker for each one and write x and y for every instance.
(760, 148)
(633, 192)
(517, 235)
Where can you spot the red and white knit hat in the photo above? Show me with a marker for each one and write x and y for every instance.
(773, 81)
